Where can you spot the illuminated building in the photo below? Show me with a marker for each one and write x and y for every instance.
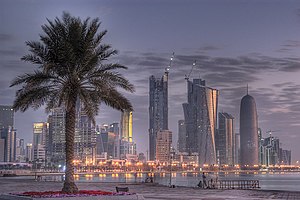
(85, 135)
(163, 145)
(28, 152)
(248, 132)
(237, 149)
(225, 140)
(40, 131)
(127, 146)
(126, 126)
(200, 114)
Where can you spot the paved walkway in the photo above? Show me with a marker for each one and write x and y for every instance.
(148, 191)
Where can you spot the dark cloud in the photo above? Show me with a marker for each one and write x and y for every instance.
(282, 84)
(291, 67)
(210, 48)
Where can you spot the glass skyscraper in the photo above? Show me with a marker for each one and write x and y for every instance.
(158, 109)
(181, 136)
(225, 139)
(7, 134)
(200, 114)
(248, 132)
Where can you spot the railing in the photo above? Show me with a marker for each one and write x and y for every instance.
(238, 184)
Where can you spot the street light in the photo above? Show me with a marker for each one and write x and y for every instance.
(171, 158)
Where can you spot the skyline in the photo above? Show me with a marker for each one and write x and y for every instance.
(234, 43)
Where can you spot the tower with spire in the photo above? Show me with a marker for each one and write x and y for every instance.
(158, 107)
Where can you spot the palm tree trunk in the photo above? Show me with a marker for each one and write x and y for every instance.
(69, 184)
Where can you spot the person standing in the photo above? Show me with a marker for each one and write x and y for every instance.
(204, 180)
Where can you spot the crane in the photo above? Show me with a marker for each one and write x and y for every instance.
(272, 131)
(170, 64)
(188, 76)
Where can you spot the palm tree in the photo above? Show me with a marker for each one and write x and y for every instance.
(73, 65)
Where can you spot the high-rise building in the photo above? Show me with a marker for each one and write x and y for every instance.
(126, 126)
(200, 114)
(261, 148)
(7, 134)
(225, 139)
(181, 136)
(84, 138)
(163, 145)
(248, 132)
(6, 116)
(114, 128)
(285, 157)
(40, 131)
(2, 149)
(126, 144)
(29, 152)
(105, 141)
(158, 109)
(57, 122)
(237, 149)
(20, 150)
(270, 151)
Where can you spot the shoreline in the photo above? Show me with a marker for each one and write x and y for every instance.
(148, 190)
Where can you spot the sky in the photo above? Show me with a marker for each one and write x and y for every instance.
(235, 43)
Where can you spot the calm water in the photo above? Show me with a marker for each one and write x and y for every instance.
(289, 181)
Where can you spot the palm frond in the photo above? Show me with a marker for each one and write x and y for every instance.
(34, 97)
(112, 98)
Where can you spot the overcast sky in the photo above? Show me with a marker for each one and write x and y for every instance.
(234, 42)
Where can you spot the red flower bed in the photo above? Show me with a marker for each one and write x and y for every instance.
(50, 194)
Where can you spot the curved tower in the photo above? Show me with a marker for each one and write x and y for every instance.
(248, 132)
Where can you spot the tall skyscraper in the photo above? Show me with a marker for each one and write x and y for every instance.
(181, 136)
(158, 109)
(9, 137)
(248, 132)
(126, 126)
(127, 146)
(6, 116)
(225, 139)
(2, 149)
(40, 131)
(57, 122)
(200, 114)
(20, 150)
(237, 149)
(285, 157)
(7, 134)
(114, 128)
(28, 152)
(85, 135)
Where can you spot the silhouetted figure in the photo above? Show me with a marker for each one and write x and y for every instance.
(204, 180)
(200, 184)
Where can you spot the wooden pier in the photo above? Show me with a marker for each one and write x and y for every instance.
(238, 184)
